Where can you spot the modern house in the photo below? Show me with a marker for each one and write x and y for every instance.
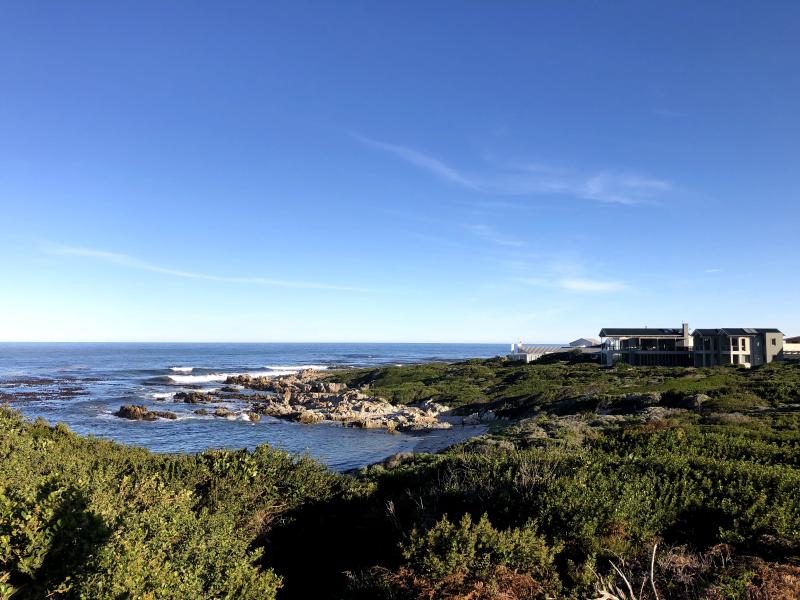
(675, 347)
(646, 346)
(746, 346)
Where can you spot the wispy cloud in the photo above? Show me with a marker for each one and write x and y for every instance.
(131, 262)
(592, 286)
(713, 270)
(527, 179)
(580, 285)
(490, 234)
(418, 159)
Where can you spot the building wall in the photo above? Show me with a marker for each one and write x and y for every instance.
(745, 350)
(774, 346)
(791, 351)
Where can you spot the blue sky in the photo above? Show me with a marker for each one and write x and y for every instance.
(419, 171)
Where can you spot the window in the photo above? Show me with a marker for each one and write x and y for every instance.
(744, 344)
(735, 344)
(773, 342)
(747, 358)
(736, 359)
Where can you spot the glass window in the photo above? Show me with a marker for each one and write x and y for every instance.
(744, 344)
(747, 358)
(773, 342)
(736, 359)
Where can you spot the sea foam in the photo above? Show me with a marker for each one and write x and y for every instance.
(272, 371)
(295, 368)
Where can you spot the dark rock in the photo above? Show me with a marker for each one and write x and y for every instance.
(695, 401)
(395, 460)
(164, 414)
(193, 397)
(627, 403)
(135, 413)
(139, 412)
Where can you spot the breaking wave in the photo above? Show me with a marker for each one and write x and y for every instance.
(295, 368)
(270, 371)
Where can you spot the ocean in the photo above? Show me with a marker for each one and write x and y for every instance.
(83, 384)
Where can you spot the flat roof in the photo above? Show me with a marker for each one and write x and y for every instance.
(542, 349)
(641, 331)
(736, 331)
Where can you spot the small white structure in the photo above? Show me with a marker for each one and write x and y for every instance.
(584, 343)
(523, 353)
(791, 351)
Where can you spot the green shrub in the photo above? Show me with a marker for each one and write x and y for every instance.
(476, 550)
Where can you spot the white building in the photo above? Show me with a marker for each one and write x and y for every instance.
(584, 343)
(523, 353)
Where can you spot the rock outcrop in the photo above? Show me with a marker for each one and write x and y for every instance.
(138, 412)
(194, 397)
(307, 399)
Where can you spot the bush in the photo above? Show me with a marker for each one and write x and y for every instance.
(470, 552)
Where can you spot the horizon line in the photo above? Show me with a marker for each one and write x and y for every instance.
(251, 342)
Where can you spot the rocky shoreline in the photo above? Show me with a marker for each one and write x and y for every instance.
(306, 397)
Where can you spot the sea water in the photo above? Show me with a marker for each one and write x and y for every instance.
(83, 384)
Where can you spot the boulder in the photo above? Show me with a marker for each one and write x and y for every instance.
(309, 417)
(165, 414)
(395, 460)
(135, 413)
(193, 397)
(138, 412)
(694, 401)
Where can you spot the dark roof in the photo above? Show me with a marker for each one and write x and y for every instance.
(640, 331)
(736, 331)
(793, 340)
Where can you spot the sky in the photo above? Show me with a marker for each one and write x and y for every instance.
(396, 171)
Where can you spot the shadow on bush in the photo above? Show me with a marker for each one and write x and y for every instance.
(320, 543)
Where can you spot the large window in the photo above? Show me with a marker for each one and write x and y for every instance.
(735, 344)
(736, 359)
(744, 344)
(747, 358)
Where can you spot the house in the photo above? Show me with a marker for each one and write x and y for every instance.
(743, 346)
(671, 347)
(584, 343)
(792, 340)
(521, 352)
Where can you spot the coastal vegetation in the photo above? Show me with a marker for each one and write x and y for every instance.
(618, 483)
